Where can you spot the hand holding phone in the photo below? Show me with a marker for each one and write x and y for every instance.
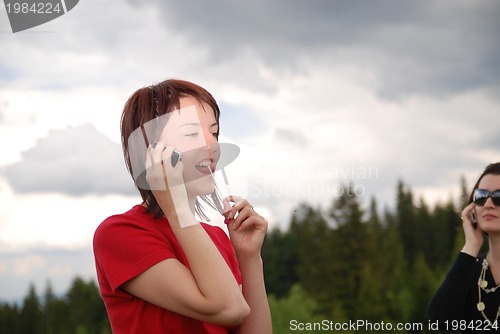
(174, 158)
(162, 166)
(474, 236)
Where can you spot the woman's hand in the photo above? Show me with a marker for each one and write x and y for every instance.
(165, 181)
(247, 228)
(474, 237)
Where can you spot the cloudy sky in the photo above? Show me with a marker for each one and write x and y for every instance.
(315, 93)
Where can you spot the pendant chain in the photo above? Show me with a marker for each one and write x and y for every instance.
(482, 284)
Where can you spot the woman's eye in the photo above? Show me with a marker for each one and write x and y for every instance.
(192, 134)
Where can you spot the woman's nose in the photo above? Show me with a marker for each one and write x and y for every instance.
(489, 202)
(210, 140)
(213, 151)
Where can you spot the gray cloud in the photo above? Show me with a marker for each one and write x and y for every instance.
(291, 137)
(490, 139)
(401, 48)
(431, 48)
(76, 161)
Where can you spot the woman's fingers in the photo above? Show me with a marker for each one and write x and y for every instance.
(466, 215)
(473, 234)
(154, 172)
(243, 216)
(160, 172)
(239, 204)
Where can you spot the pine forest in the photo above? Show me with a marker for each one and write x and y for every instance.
(340, 264)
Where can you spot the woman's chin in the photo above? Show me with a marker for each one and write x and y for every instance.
(201, 187)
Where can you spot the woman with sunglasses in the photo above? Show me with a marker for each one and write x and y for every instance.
(469, 297)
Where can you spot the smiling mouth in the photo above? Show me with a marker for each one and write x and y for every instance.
(205, 166)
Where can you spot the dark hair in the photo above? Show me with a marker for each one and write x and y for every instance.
(149, 103)
(493, 168)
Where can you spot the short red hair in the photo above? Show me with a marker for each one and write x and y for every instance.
(148, 103)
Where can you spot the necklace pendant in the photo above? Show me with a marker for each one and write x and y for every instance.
(480, 306)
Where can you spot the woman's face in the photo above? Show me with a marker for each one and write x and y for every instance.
(192, 131)
(488, 215)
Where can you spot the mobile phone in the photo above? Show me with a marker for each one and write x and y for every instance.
(175, 158)
(474, 219)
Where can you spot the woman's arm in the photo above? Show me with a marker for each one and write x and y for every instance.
(247, 231)
(448, 303)
(254, 290)
(206, 291)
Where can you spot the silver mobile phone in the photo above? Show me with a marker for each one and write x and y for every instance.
(474, 219)
(175, 158)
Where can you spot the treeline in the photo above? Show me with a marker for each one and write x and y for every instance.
(79, 311)
(347, 262)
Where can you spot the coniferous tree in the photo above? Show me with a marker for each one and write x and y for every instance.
(463, 200)
(446, 227)
(56, 313)
(279, 254)
(49, 316)
(31, 313)
(422, 289)
(371, 299)
(394, 269)
(351, 254)
(383, 273)
(10, 319)
(311, 235)
(86, 306)
(424, 231)
(407, 222)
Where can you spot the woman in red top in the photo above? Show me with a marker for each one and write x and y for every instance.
(159, 269)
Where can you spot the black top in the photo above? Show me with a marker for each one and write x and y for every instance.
(454, 304)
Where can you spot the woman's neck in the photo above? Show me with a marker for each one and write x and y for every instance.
(191, 203)
(494, 249)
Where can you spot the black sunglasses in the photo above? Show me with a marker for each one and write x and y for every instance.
(481, 196)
